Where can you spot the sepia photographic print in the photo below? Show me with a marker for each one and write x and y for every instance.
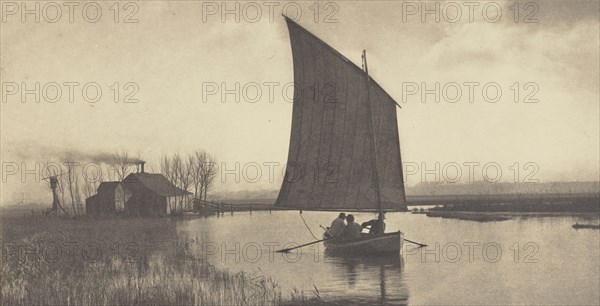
(343, 152)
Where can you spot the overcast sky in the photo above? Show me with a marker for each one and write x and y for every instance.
(171, 55)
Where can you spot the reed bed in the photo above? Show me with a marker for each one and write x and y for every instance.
(55, 261)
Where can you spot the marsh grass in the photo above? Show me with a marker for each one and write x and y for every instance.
(126, 271)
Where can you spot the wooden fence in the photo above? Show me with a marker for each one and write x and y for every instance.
(222, 208)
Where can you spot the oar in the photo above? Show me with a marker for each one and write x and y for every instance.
(303, 245)
(419, 244)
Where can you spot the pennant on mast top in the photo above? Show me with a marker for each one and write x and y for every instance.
(331, 160)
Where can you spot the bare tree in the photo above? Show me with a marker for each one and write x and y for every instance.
(122, 163)
(88, 189)
(181, 174)
(173, 168)
(176, 165)
(79, 198)
(196, 172)
(185, 179)
(110, 172)
(89, 185)
(166, 168)
(208, 174)
(198, 160)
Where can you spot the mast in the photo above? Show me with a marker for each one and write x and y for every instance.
(373, 147)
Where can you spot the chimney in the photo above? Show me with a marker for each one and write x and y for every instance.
(142, 166)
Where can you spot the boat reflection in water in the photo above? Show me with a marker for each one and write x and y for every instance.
(359, 276)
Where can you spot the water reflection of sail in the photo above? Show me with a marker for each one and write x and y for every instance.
(363, 275)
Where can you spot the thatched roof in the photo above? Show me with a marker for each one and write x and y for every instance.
(155, 182)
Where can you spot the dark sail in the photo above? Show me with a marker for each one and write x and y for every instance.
(330, 159)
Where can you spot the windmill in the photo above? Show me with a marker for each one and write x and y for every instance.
(53, 179)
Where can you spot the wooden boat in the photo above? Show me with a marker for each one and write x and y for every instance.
(344, 152)
(386, 244)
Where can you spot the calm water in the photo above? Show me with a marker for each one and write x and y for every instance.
(520, 261)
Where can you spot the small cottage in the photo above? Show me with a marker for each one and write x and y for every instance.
(139, 194)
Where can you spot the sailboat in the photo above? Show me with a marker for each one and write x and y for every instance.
(344, 152)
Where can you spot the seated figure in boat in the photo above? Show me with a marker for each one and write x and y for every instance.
(337, 226)
(352, 230)
(376, 228)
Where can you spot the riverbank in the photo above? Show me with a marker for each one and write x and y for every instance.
(118, 261)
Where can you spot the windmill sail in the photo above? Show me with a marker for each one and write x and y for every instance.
(331, 161)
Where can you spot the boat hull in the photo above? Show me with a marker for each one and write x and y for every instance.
(386, 244)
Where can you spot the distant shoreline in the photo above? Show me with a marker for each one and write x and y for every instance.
(502, 216)
(560, 203)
